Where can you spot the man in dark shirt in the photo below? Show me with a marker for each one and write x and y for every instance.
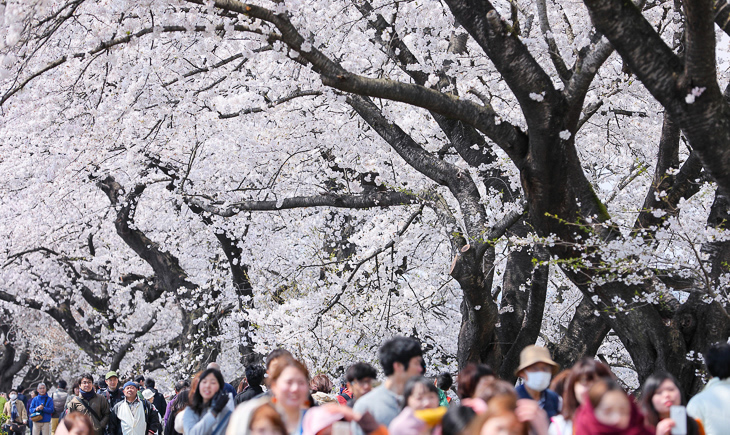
(255, 377)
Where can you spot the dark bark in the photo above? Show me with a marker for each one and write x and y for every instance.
(478, 340)
(583, 337)
(706, 121)
(528, 303)
(11, 361)
(374, 199)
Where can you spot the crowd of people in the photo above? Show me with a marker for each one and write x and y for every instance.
(585, 399)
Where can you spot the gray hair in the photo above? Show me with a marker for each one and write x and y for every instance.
(42, 385)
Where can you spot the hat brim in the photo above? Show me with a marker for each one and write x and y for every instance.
(553, 364)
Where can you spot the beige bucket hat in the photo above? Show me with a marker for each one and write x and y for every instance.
(534, 354)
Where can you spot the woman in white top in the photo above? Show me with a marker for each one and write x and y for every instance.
(582, 376)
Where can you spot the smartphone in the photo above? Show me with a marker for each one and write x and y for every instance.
(342, 428)
(679, 415)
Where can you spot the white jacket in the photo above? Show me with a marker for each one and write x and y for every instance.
(711, 407)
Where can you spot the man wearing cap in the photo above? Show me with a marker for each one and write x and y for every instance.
(537, 369)
(112, 392)
(133, 416)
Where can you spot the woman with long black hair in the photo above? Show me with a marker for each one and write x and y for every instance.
(661, 392)
(210, 407)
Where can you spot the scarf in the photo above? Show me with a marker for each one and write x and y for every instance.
(14, 411)
(585, 422)
(87, 396)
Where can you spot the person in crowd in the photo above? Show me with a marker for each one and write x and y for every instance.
(289, 385)
(133, 416)
(76, 423)
(558, 382)
(112, 392)
(159, 400)
(21, 396)
(401, 359)
(608, 411)
(179, 386)
(16, 413)
(228, 388)
(30, 394)
(660, 392)
(536, 369)
(320, 420)
(59, 404)
(91, 404)
(457, 419)
(472, 379)
(176, 409)
(443, 382)
(75, 392)
(581, 378)
(359, 377)
(43, 404)
(256, 417)
(500, 418)
(210, 407)
(254, 378)
(528, 411)
(149, 397)
(140, 381)
(3, 399)
(272, 359)
(711, 406)
(419, 394)
(321, 389)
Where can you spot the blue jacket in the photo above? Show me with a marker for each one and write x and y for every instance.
(549, 400)
(47, 410)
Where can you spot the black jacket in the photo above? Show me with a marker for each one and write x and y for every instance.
(113, 397)
(151, 418)
(249, 393)
(159, 402)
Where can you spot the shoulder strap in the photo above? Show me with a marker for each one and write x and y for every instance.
(88, 408)
(222, 422)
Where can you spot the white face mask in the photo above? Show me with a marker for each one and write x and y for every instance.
(537, 381)
(13, 396)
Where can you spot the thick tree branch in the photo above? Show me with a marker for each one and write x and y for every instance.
(553, 49)
(688, 91)
(169, 276)
(375, 199)
(583, 337)
(529, 328)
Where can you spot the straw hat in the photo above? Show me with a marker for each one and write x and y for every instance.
(534, 354)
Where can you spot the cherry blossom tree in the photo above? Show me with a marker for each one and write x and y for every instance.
(191, 180)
